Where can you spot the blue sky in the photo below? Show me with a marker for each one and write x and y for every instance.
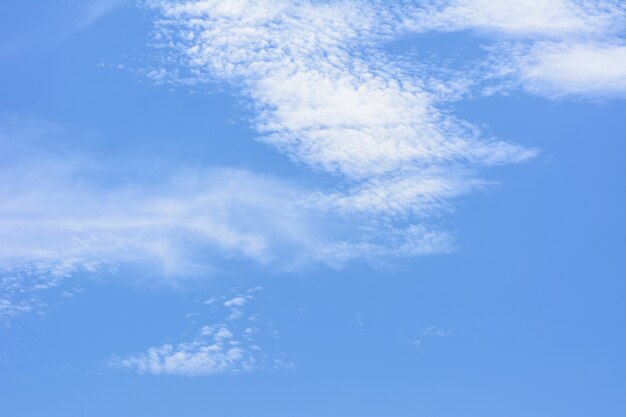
(255, 208)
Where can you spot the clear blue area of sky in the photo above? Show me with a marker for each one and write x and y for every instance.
(532, 303)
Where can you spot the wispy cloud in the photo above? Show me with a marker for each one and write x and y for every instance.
(91, 11)
(231, 346)
(52, 212)
(27, 287)
(56, 228)
(556, 19)
(418, 338)
(57, 221)
(53, 22)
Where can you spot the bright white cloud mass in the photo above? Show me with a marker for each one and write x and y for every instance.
(326, 94)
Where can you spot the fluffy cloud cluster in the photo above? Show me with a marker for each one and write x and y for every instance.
(201, 357)
(329, 102)
(226, 347)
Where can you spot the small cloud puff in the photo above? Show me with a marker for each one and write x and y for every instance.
(237, 301)
(217, 349)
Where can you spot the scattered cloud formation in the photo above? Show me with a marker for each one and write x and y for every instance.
(207, 356)
(27, 288)
(555, 48)
(326, 93)
(227, 347)
(418, 338)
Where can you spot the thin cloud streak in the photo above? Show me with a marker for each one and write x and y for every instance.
(56, 223)
(54, 22)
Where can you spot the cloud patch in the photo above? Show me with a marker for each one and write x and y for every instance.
(556, 49)
(58, 222)
(329, 99)
(584, 69)
(219, 348)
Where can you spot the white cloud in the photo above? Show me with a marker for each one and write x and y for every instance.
(585, 69)
(190, 359)
(60, 224)
(58, 220)
(561, 47)
(321, 101)
(56, 228)
(55, 210)
(216, 349)
(327, 99)
(225, 209)
(523, 18)
(222, 334)
(236, 302)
